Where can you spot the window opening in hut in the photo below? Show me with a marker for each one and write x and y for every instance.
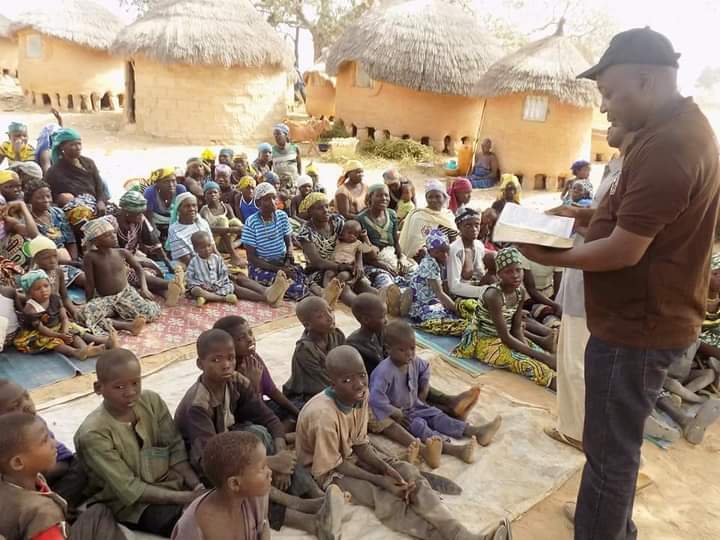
(362, 79)
(535, 109)
(405, 137)
(130, 92)
(447, 143)
(353, 130)
(71, 103)
(46, 99)
(371, 133)
(105, 102)
(33, 47)
(425, 141)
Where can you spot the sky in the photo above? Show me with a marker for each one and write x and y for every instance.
(692, 25)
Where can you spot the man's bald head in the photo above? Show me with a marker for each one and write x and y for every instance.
(342, 360)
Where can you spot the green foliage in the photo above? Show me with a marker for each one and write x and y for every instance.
(337, 131)
(401, 149)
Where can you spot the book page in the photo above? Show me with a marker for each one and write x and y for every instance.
(534, 220)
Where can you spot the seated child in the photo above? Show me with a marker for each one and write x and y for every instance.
(332, 439)
(250, 364)
(30, 509)
(44, 255)
(46, 326)
(581, 194)
(349, 250)
(581, 171)
(223, 223)
(224, 400)
(304, 187)
(16, 149)
(312, 172)
(67, 477)
(495, 336)
(241, 167)
(399, 387)
(244, 200)
(133, 452)
(208, 280)
(405, 205)
(111, 300)
(465, 266)
(309, 376)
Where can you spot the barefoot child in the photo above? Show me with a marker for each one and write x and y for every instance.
(44, 255)
(110, 298)
(30, 509)
(223, 223)
(132, 450)
(398, 389)
(494, 336)
(46, 326)
(309, 376)
(250, 364)
(332, 439)
(349, 250)
(208, 280)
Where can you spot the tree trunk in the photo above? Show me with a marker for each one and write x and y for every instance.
(297, 47)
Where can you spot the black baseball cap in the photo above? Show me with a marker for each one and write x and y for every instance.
(636, 46)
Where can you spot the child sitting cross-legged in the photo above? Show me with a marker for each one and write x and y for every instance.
(332, 439)
(208, 279)
(398, 389)
(111, 300)
(30, 509)
(223, 400)
(219, 215)
(133, 452)
(46, 326)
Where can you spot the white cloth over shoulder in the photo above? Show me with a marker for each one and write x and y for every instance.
(456, 260)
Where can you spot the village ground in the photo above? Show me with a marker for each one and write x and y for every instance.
(682, 503)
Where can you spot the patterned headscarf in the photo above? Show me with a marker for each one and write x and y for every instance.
(436, 185)
(222, 168)
(27, 280)
(174, 211)
(160, 174)
(16, 127)
(312, 198)
(62, 136)
(263, 190)
(40, 243)
(461, 185)
(436, 239)
(227, 152)
(7, 175)
(303, 180)
(507, 256)
(506, 180)
(348, 167)
(264, 147)
(467, 213)
(210, 185)
(96, 228)
(29, 168)
(133, 202)
(246, 182)
(282, 128)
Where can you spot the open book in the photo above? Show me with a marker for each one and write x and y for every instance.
(518, 224)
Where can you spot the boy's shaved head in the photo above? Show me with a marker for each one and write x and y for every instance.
(112, 359)
(228, 454)
(398, 330)
(230, 323)
(308, 306)
(14, 426)
(210, 339)
(366, 302)
(343, 359)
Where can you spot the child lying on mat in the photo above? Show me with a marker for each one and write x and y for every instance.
(399, 387)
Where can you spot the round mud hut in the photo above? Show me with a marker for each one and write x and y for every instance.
(410, 70)
(319, 91)
(538, 114)
(205, 71)
(63, 58)
(8, 48)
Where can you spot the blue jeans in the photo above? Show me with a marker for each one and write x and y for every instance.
(622, 385)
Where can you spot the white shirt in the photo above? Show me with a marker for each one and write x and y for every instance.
(456, 259)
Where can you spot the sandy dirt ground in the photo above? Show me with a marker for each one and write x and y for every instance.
(682, 503)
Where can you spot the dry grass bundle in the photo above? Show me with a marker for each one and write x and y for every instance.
(398, 149)
(79, 21)
(425, 45)
(208, 32)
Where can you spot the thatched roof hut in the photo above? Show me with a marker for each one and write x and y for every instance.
(412, 69)
(64, 58)
(8, 48)
(217, 59)
(538, 114)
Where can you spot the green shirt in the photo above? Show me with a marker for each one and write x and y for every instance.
(380, 236)
(122, 459)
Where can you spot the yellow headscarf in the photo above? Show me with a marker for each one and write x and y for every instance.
(349, 166)
(312, 198)
(207, 155)
(506, 180)
(246, 181)
(159, 174)
(7, 176)
(311, 169)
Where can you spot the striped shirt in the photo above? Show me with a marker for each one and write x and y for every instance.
(268, 238)
(179, 237)
(209, 274)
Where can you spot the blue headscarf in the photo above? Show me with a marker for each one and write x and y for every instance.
(264, 147)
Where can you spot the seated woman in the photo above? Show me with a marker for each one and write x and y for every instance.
(241, 167)
(422, 220)
(466, 271)
(266, 237)
(185, 221)
(75, 180)
(459, 194)
(318, 238)
(196, 173)
(495, 336)
(487, 169)
(27, 171)
(16, 226)
(509, 190)
(224, 225)
(304, 187)
(11, 187)
(351, 192)
(134, 230)
(160, 197)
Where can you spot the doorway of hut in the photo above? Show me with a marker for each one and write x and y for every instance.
(130, 91)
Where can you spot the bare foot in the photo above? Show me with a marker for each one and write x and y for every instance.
(695, 430)
(486, 432)
(137, 325)
(432, 452)
(275, 292)
(174, 292)
(179, 278)
(392, 298)
(231, 299)
(113, 341)
(282, 462)
(333, 291)
(81, 354)
(464, 403)
(413, 453)
(329, 518)
(95, 350)
(200, 301)
(553, 342)
(468, 451)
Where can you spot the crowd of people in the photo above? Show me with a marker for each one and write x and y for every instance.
(225, 459)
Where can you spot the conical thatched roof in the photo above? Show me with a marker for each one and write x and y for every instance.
(547, 66)
(426, 45)
(211, 32)
(79, 21)
(4, 27)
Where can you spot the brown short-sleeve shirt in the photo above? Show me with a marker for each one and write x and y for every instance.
(668, 190)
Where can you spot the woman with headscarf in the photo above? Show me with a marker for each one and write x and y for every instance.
(184, 222)
(75, 180)
(351, 194)
(423, 220)
(285, 159)
(160, 197)
(27, 171)
(196, 174)
(51, 221)
(16, 227)
(266, 237)
(263, 163)
(459, 194)
(509, 189)
(134, 230)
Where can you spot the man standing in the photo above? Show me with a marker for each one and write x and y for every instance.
(646, 265)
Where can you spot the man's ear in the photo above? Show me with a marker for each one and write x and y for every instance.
(97, 386)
